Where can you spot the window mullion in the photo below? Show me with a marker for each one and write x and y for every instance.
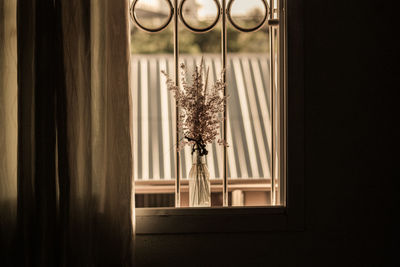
(176, 59)
(224, 130)
(271, 87)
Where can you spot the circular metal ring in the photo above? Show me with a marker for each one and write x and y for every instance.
(200, 30)
(162, 27)
(252, 29)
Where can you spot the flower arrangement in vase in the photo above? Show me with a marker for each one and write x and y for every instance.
(200, 114)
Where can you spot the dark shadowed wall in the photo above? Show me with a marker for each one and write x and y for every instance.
(349, 189)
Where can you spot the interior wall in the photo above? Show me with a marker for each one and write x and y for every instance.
(349, 203)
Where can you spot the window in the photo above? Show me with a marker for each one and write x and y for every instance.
(166, 33)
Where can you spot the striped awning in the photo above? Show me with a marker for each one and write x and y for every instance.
(249, 123)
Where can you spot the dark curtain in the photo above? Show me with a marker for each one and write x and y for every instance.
(66, 162)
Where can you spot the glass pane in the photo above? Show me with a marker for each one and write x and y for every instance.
(153, 108)
(193, 47)
(250, 104)
(249, 108)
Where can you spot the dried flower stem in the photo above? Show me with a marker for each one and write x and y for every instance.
(200, 107)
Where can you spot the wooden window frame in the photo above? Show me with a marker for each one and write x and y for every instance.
(289, 217)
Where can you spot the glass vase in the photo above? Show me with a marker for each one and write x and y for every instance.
(199, 182)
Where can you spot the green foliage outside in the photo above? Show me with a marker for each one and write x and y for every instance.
(195, 43)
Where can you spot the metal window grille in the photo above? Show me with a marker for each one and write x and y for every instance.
(274, 18)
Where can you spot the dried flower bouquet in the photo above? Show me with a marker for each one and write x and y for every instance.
(200, 108)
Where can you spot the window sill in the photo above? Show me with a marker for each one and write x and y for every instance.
(211, 220)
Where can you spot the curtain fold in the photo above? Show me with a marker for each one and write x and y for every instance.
(96, 54)
(8, 125)
(66, 196)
